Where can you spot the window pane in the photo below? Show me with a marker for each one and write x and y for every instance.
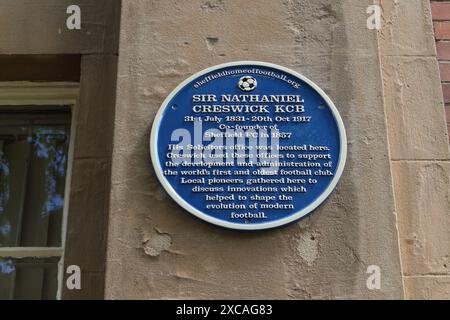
(30, 278)
(33, 162)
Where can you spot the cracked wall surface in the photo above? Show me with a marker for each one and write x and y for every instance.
(157, 250)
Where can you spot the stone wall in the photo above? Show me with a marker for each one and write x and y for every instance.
(386, 87)
(418, 143)
(157, 250)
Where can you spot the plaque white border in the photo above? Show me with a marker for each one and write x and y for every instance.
(240, 226)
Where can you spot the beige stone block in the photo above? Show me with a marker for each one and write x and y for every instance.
(407, 28)
(414, 108)
(39, 27)
(422, 194)
(427, 288)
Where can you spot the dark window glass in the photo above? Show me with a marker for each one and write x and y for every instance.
(28, 278)
(33, 163)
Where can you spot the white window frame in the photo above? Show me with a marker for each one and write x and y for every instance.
(37, 94)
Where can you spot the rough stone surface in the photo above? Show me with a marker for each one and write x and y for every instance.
(422, 193)
(407, 28)
(324, 256)
(418, 146)
(427, 288)
(156, 243)
(413, 96)
(39, 27)
(414, 108)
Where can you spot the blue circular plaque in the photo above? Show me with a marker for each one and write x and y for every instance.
(248, 145)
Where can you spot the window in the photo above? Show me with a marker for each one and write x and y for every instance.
(35, 149)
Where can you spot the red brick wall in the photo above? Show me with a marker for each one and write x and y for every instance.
(441, 20)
